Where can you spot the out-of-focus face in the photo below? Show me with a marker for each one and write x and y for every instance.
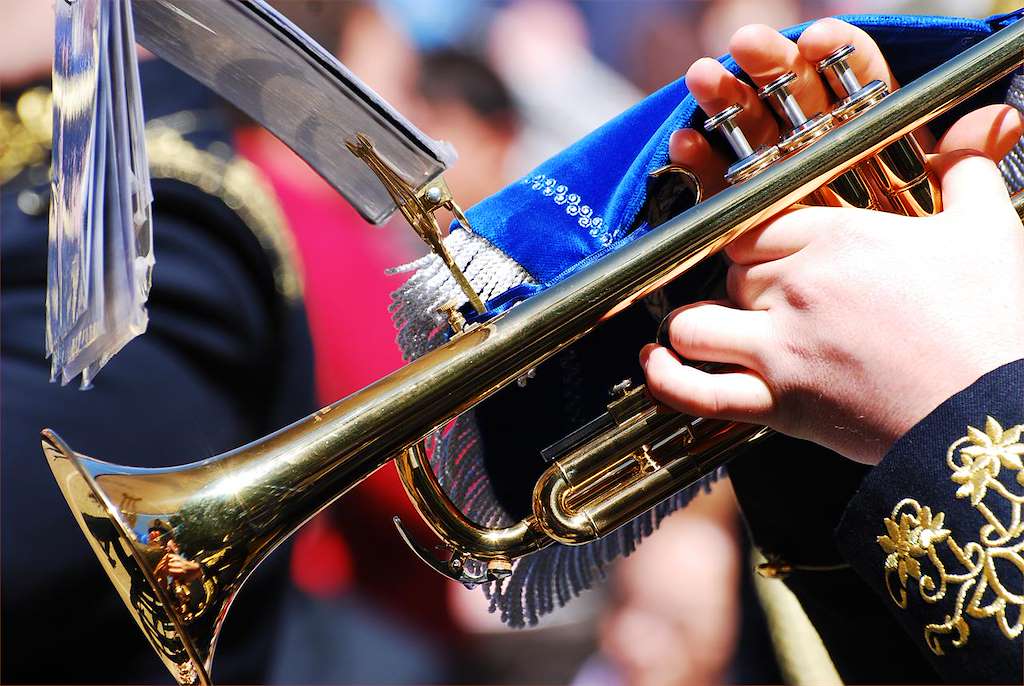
(674, 613)
(26, 40)
(483, 148)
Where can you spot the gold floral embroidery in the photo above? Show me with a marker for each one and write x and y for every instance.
(25, 132)
(911, 539)
(914, 538)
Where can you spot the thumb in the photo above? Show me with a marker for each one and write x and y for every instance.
(969, 180)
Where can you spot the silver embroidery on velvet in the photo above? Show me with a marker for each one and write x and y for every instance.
(548, 579)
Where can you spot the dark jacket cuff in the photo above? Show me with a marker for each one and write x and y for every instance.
(936, 529)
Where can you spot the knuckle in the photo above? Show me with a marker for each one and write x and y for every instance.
(656, 384)
(684, 332)
(795, 293)
(735, 281)
(760, 351)
(659, 381)
(745, 285)
(802, 284)
(734, 251)
(713, 403)
(702, 400)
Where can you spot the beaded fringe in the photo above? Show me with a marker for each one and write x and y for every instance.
(414, 305)
(549, 578)
(454, 451)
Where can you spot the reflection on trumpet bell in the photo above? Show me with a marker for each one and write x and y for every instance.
(178, 542)
(167, 594)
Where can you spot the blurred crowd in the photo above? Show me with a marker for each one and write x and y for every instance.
(508, 83)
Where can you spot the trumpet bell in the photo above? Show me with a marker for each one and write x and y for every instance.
(132, 518)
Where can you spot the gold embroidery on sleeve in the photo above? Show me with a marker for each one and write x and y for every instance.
(914, 537)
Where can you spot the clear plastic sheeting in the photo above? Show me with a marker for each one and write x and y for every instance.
(101, 230)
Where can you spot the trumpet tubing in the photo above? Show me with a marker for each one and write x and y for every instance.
(179, 542)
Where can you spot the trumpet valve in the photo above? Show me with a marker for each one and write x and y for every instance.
(783, 96)
(856, 98)
(901, 169)
(750, 161)
(803, 130)
(836, 64)
(725, 123)
(852, 189)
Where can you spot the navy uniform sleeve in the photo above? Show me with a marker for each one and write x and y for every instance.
(936, 529)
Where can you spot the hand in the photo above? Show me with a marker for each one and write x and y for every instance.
(177, 567)
(849, 326)
(180, 568)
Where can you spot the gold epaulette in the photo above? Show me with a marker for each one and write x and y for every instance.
(25, 132)
(240, 186)
(26, 137)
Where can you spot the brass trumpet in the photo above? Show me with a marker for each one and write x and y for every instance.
(179, 542)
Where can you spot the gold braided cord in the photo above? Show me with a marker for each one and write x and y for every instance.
(802, 657)
(971, 584)
(240, 186)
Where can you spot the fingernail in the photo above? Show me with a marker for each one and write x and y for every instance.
(662, 338)
(645, 354)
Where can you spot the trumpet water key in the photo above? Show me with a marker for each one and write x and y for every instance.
(178, 542)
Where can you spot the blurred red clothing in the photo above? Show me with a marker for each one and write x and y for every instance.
(347, 295)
